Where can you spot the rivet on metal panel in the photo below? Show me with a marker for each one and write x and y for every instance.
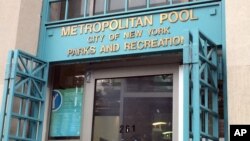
(50, 33)
(213, 12)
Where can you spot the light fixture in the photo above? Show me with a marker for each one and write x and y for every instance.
(167, 135)
(167, 132)
(79, 76)
(159, 123)
(158, 119)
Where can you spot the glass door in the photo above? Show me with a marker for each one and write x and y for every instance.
(133, 104)
(134, 109)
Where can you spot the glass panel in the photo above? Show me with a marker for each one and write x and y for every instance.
(116, 5)
(160, 83)
(180, 1)
(66, 103)
(13, 125)
(137, 4)
(57, 10)
(76, 8)
(99, 7)
(158, 2)
(210, 124)
(133, 109)
(221, 110)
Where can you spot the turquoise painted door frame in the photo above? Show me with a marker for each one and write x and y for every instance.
(24, 96)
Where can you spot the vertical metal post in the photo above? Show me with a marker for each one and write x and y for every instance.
(105, 7)
(170, 2)
(42, 108)
(126, 5)
(186, 109)
(206, 92)
(85, 8)
(186, 87)
(224, 69)
(196, 88)
(48, 12)
(66, 10)
(5, 92)
(10, 98)
(215, 95)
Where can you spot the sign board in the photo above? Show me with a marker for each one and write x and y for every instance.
(66, 112)
(56, 100)
(163, 30)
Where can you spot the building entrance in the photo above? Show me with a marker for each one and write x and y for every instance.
(133, 99)
(134, 108)
(133, 104)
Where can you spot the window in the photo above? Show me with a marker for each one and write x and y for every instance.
(66, 103)
(137, 4)
(75, 9)
(70, 9)
(99, 7)
(116, 5)
(57, 10)
(112, 6)
(134, 108)
(158, 2)
(180, 1)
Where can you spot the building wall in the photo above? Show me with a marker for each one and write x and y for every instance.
(19, 29)
(238, 60)
(29, 25)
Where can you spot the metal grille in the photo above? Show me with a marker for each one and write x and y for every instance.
(23, 98)
(201, 94)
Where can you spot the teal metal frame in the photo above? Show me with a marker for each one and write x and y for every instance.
(200, 61)
(224, 73)
(201, 70)
(23, 105)
(26, 77)
(200, 89)
(126, 9)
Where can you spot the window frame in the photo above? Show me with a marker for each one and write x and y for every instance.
(48, 110)
(83, 10)
(89, 5)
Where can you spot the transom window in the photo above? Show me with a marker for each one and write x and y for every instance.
(70, 9)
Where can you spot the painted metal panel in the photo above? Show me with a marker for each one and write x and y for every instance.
(207, 18)
(88, 45)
